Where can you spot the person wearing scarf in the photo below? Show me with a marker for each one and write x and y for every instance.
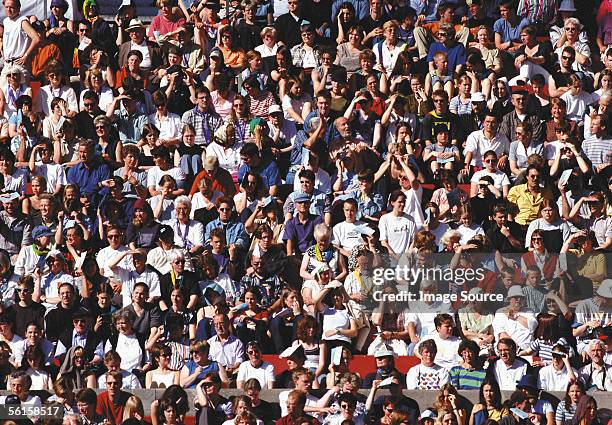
(73, 369)
(32, 258)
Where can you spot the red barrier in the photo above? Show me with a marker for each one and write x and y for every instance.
(360, 364)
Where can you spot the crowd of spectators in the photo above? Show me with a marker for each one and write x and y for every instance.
(182, 197)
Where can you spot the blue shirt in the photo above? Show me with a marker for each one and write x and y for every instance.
(507, 32)
(88, 178)
(268, 172)
(362, 8)
(301, 234)
(429, 8)
(130, 127)
(234, 232)
(456, 54)
(367, 207)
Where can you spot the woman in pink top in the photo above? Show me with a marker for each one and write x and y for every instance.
(167, 21)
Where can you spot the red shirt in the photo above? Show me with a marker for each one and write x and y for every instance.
(110, 410)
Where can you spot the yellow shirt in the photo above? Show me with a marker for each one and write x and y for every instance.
(528, 204)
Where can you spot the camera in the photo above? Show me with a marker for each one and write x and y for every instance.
(181, 73)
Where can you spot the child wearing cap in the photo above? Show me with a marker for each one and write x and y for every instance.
(445, 154)
(32, 258)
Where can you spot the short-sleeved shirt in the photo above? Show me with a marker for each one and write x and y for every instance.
(456, 53)
(507, 31)
(302, 234)
(264, 373)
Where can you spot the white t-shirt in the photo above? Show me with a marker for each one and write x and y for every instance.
(550, 379)
(336, 319)
(520, 334)
(345, 235)
(500, 179)
(122, 269)
(154, 175)
(53, 173)
(577, 106)
(422, 377)
(46, 94)
(397, 231)
(187, 236)
(468, 233)
(169, 126)
(413, 205)
(423, 314)
(264, 373)
(129, 349)
(446, 355)
(149, 277)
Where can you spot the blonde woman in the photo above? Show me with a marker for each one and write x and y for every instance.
(95, 82)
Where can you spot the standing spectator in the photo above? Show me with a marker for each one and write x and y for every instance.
(19, 41)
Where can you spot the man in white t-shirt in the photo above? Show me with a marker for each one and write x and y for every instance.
(256, 368)
(346, 234)
(481, 141)
(500, 179)
(513, 321)
(448, 345)
(427, 375)
(557, 376)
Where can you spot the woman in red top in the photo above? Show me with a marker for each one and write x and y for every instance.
(167, 21)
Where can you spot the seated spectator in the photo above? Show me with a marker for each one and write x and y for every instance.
(112, 402)
(20, 383)
(469, 374)
(427, 375)
(56, 87)
(255, 367)
(490, 403)
(559, 374)
(507, 369)
(74, 370)
(447, 355)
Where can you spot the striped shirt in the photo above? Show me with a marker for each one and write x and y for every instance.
(543, 349)
(534, 299)
(464, 379)
(537, 10)
(562, 415)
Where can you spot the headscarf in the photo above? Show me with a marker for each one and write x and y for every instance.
(69, 369)
(53, 22)
(88, 3)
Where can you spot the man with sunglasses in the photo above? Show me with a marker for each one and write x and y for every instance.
(85, 118)
(256, 368)
(528, 197)
(81, 335)
(597, 220)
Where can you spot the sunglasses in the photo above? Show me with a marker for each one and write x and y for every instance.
(24, 290)
(113, 236)
(14, 75)
(442, 34)
(490, 161)
(100, 127)
(536, 239)
(567, 57)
